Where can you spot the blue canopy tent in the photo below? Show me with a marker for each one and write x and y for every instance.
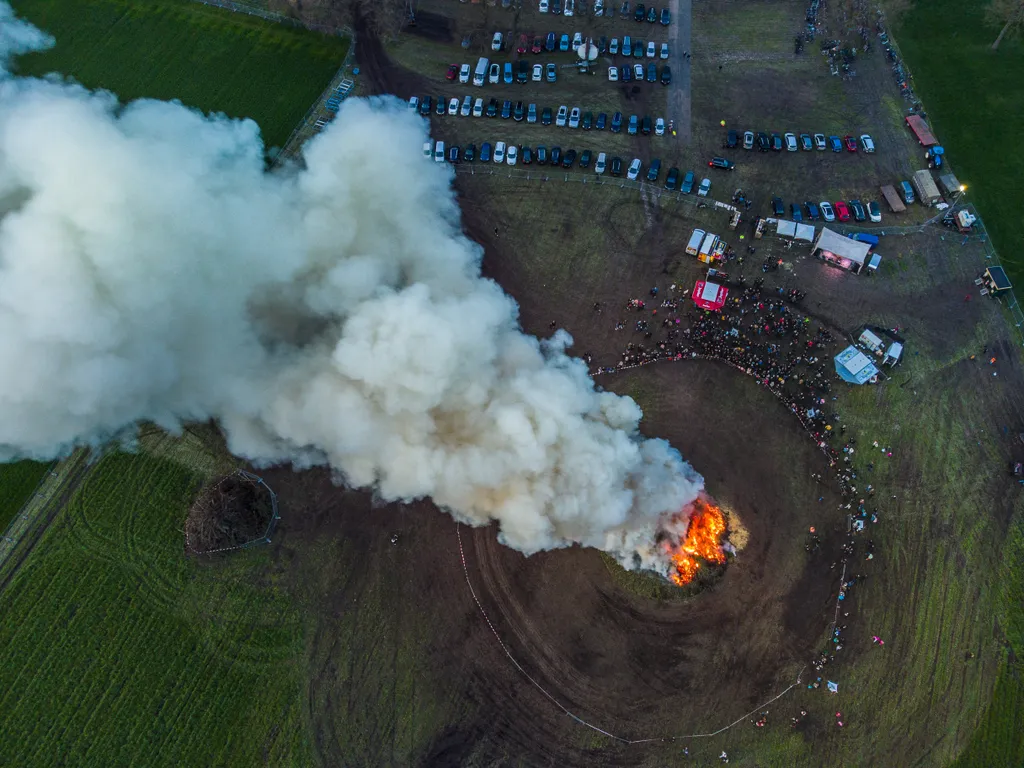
(853, 366)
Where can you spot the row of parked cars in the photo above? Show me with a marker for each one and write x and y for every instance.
(636, 72)
(839, 210)
(511, 154)
(792, 142)
(564, 116)
(639, 13)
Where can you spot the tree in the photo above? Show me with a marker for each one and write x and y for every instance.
(1009, 14)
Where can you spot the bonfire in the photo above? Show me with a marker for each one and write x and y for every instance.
(703, 543)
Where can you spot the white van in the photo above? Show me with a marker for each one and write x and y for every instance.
(439, 152)
(707, 247)
(693, 247)
(481, 71)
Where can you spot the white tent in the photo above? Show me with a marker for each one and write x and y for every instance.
(805, 232)
(840, 249)
(785, 227)
(870, 340)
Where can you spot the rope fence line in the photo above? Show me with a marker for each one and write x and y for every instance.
(263, 539)
(577, 718)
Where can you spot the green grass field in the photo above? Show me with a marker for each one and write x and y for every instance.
(209, 58)
(17, 482)
(974, 98)
(115, 648)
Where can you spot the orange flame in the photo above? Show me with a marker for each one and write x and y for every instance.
(703, 542)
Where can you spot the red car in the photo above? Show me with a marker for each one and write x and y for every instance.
(524, 45)
(851, 143)
(842, 210)
(453, 72)
(538, 45)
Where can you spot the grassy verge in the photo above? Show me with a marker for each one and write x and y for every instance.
(17, 482)
(114, 645)
(209, 58)
(948, 44)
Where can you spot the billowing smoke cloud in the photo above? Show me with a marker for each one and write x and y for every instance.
(150, 269)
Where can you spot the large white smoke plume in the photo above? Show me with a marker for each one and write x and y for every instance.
(151, 270)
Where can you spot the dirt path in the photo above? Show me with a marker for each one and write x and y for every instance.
(679, 91)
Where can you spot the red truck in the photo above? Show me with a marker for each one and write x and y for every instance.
(921, 131)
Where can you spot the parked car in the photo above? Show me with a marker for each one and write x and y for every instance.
(507, 75)
(634, 125)
(531, 114)
(704, 188)
(640, 12)
(496, 42)
(826, 211)
(652, 49)
(874, 212)
(851, 143)
(616, 125)
(464, 73)
(440, 106)
(602, 121)
(563, 43)
(666, 74)
(549, 42)
(791, 145)
(511, 154)
(485, 152)
(638, 72)
(664, 50)
(543, 6)
(806, 142)
(453, 154)
(545, 116)
(519, 112)
(425, 106)
(414, 103)
(492, 108)
(776, 142)
(570, 8)
(842, 210)
(499, 152)
(795, 213)
(453, 106)
(552, 73)
(778, 207)
(616, 167)
(556, 155)
(627, 46)
(653, 170)
(666, 17)
(453, 72)
(652, 15)
(494, 73)
(624, 10)
(812, 211)
(428, 149)
(748, 139)
(478, 108)
(574, 118)
(721, 162)
(645, 126)
(523, 73)
(659, 126)
(537, 46)
(602, 44)
(563, 116)
(469, 154)
(836, 143)
(638, 49)
(613, 46)
(585, 157)
(867, 143)
(858, 210)
(577, 40)
(763, 142)
(569, 158)
(688, 180)
(588, 121)
(634, 169)
(613, 74)
(524, 45)
(542, 155)
(467, 106)
(672, 179)
(506, 109)
(439, 152)
(538, 73)
(732, 139)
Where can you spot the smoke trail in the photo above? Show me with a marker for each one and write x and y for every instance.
(150, 269)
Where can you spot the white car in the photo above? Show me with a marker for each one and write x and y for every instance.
(563, 114)
(826, 211)
(659, 126)
(577, 40)
(704, 188)
(634, 169)
(414, 103)
(512, 154)
(464, 72)
(874, 212)
(599, 165)
(543, 8)
(569, 8)
(574, 118)
(478, 108)
(538, 73)
(598, 7)
(439, 152)
(613, 46)
(819, 142)
(867, 144)
(494, 73)
(496, 42)
(467, 106)
(638, 72)
(428, 149)
(791, 145)
(613, 74)
(499, 152)
(652, 50)
(664, 50)
(453, 106)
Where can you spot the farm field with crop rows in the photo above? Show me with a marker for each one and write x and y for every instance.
(18, 480)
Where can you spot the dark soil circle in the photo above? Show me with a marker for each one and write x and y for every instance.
(228, 513)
